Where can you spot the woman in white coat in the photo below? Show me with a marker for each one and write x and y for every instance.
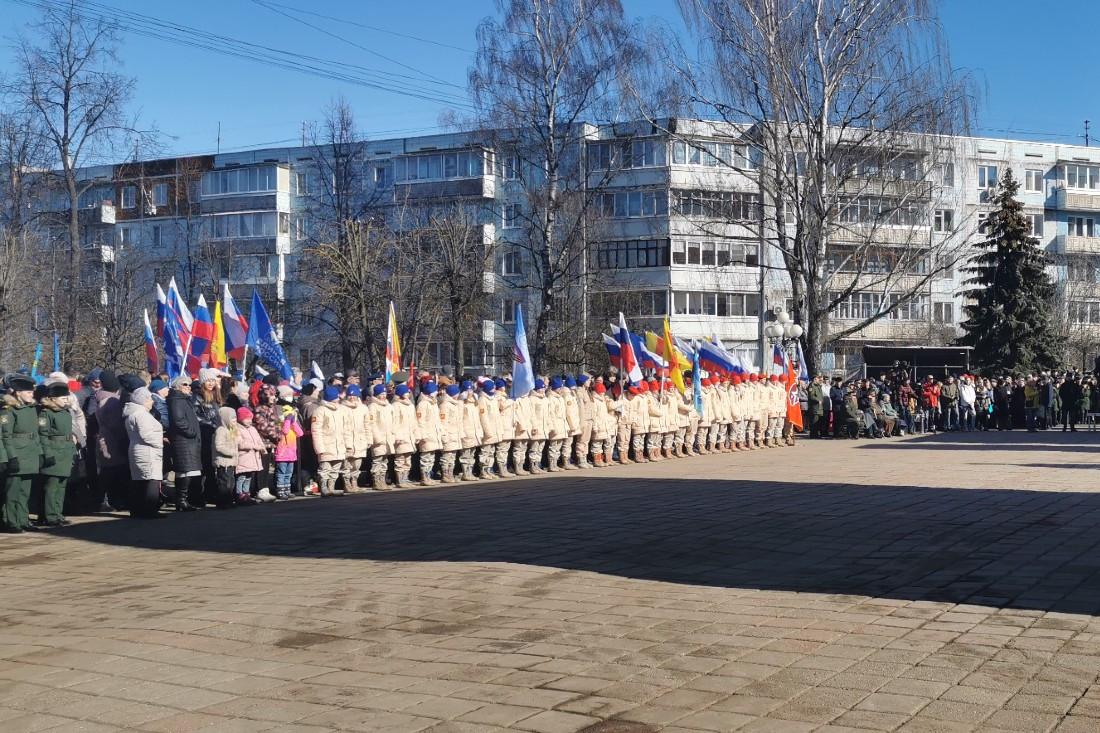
(145, 454)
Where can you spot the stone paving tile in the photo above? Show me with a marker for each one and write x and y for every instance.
(699, 595)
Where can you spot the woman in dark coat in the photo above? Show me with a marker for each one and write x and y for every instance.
(186, 444)
(207, 399)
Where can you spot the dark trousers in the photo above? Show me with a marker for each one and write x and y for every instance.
(114, 483)
(17, 496)
(838, 423)
(52, 506)
(819, 425)
(225, 484)
(144, 498)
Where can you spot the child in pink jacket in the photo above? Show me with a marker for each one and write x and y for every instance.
(250, 446)
(286, 452)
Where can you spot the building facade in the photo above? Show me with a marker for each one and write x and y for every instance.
(678, 230)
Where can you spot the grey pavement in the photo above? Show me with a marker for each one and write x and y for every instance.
(945, 583)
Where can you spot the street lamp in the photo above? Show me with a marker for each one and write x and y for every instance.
(783, 332)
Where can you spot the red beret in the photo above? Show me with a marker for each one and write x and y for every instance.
(754, 377)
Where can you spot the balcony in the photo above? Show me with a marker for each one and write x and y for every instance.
(1070, 245)
(98, 215)
(1072, 200)
(483, 187)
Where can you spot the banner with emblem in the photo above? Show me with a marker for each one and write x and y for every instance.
(523, 375)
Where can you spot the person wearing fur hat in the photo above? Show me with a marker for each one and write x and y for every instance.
(492, 429)
(537, 424)
(145, 454)
(55, 430)
(405, 434)
(472, 432)
(358, 438)
(329, 428)
(429, 436)
(111, 462)
(381, 424)
(450, 431)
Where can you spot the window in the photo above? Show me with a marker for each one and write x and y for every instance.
(599, 156)
(632, 253)
(1084, 312)
(508, 310)
(987, 176)
(156, 235)
(383, 174)
(509, 169)
(983, 223)
(129, 197)
(1082, 271)
(634, 204)
(857, 306)
(243, 226)
(254, 267)
(1082, 176)
(1080, 226)
(912, 309)
(126, 235)
(943, 312)
(708, 254)
(512, 263)
(440, 166)
(715, 154)
(725, 205)
(881, 211)
(1035, 223)
(301, 183)
(512, 216)
(160, 194)
(299, 227)
(945, 174)
(1033, 180)
(722, 305)
(944, 220)
(239, 180)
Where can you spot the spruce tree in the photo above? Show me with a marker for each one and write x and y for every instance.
(1009, 321)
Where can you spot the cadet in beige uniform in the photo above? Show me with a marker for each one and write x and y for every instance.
(429, 432)
(450, 431)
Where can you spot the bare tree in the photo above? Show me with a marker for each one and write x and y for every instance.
(848, 104)
(21, 192)
(65, 78)
(543, 70)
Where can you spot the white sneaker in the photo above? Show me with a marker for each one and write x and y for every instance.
(265, 496)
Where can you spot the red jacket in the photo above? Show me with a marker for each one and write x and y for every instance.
(930, 395)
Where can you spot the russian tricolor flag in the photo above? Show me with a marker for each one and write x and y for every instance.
(236, 326)
(612, 347)
(628, 359)
(714, 359)
(152, 361)
(202, 333)
(162, 310)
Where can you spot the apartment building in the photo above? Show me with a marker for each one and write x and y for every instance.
(656, 246)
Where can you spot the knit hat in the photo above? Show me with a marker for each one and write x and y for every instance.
(94, 374)
(570, 382)
(331, 394)
(157, 385)
(556, 383)
(108, 381)
(540, 384)
(181, 381)
(467, 385)
(488, 386)
(753, 377)
(380, 389)
(209, 375)
(353, 391)
(453, 390)
(642, 386)
(141, 396)
(57, 378)
(652, 383)
(582, 378)
(773, 378)
(285, 393)
(599, 388)
(635, 390)
(401, 390)
(736, 379)
(243, 413)
(429, 388)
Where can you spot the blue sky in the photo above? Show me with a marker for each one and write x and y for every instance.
(1039, 74)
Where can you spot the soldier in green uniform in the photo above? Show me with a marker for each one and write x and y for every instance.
(19, 434)
(55, 429)
(816, 393)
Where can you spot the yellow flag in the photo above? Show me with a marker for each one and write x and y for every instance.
(217, 345)
(677, 362)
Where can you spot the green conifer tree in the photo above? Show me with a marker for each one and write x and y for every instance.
(1009, 320)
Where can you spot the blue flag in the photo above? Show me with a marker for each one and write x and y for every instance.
(173, 354)
(523, 376)
(261, 339)
(696, 382)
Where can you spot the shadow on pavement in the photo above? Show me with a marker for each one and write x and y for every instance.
(1004, 548)
(1009, 440)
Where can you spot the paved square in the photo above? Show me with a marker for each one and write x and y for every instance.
(942, 583)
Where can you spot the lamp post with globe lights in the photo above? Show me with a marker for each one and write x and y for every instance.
(783, 332)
